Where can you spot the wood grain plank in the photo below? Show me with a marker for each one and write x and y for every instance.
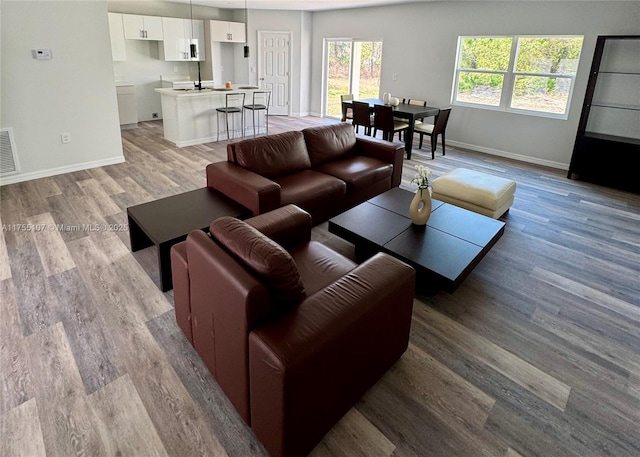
(54, 254)
(86, 329)
(123, 422)
(108, 184)
(29, 280)
(586, 292)
(15, 381)
(220, 415)
(549, 389)
(67, 422)
(589, 341)
(354, 436)
(21, 432)
(441, 391)
(48, 187)
(98, 197)
(5, 268)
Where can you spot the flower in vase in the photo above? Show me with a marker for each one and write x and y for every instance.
(423, 177)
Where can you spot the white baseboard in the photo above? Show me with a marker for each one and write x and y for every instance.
(509, 155)
(60, 170)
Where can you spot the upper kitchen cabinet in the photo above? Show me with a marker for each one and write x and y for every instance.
(179, 34)
(230, 32)
(116, 31)
(138, 27)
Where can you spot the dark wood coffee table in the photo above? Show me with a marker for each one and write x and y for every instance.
(168, 221)
(445, 250)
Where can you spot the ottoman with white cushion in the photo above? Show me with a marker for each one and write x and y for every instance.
(476, 191)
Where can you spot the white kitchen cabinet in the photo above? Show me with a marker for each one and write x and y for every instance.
(230, 32)
(127, 104)
(138, 27)
(179, 34)
(116, 31)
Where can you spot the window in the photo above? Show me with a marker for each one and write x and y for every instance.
(351, 67)
(530, 74)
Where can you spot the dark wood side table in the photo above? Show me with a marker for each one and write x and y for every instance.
(168, 221)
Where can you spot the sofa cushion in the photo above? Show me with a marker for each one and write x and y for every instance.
(273, 155)
(358, 172)
(310, 189)
(263, 256)
(329, 142)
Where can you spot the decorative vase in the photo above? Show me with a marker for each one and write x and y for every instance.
(385, 98)
(420, 207)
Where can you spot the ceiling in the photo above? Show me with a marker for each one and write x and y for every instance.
(298, 5)
(304, 5)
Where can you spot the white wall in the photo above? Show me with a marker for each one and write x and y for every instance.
(73, 92)
(420, 41)
(280, 21)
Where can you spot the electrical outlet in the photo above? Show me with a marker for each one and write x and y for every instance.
(65, 137)
(154, 115)
(394, 76)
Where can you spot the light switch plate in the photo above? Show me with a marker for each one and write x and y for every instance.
(42, 54)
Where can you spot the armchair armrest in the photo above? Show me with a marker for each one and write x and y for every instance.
(288, 225)
(386, 151)
(250, 189)
(309, 367)
(226, 303)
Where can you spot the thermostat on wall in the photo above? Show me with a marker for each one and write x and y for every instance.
(42, 54)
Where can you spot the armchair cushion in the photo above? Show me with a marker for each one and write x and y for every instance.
(263, 256)
(265, 156)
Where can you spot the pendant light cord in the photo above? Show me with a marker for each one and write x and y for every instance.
(193, 52)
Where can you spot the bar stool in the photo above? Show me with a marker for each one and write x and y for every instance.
(261, 99)
(233, 105)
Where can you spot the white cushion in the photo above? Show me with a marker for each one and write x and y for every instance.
(424, 127)
(476, 191)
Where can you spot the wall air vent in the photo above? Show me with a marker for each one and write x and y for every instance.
(8, 159)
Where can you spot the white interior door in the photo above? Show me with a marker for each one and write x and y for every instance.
(274, 69)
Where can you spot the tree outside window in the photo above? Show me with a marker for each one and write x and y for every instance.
(525, 74)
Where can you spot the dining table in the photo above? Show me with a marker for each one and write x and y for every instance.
(403, 111)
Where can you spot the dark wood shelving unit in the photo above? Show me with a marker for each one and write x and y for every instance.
(607, 145)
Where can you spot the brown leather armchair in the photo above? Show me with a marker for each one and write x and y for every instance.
(293, 332)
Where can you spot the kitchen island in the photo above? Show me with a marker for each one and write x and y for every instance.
(189, 116)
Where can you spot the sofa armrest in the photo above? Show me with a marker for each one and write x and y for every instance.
(250, 189)
(288, 225)
(386, 151)
(309, 367)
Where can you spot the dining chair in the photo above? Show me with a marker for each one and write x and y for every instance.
(348, 113)
(384, 121)
(260, 102)
(233, 104)
(362, 117)
(433, 130)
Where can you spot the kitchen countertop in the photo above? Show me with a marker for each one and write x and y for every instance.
(205, 92)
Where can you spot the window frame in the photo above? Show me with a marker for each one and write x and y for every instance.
(510, 76)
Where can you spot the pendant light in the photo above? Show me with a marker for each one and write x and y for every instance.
(246, 30)
(193, 50)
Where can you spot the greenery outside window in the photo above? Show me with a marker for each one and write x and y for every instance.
(527, 74)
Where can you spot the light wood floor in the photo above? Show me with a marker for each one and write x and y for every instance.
(536, 354)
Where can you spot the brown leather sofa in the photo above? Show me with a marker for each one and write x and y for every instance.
(324, 170)
(293, 332)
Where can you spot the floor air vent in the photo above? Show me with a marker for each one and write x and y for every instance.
(8, 162)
